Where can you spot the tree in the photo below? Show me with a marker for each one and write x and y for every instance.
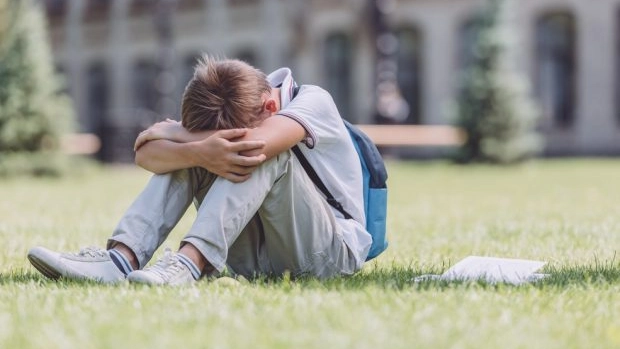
(33, 111)
(494, 106)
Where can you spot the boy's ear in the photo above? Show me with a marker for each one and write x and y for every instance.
(271, 105)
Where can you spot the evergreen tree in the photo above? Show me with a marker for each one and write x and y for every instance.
(494, 107)
(33, 112)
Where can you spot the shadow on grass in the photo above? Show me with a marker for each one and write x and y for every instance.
(395, 277)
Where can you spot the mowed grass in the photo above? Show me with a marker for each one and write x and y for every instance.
(565, 212)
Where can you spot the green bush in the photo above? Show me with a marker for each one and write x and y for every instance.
(33, 111)
(493, 106)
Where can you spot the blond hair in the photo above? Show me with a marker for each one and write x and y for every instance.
(223, 94)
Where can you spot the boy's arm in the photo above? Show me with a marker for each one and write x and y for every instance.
(232, 154)
(171, 130)
(280, 133)
(162, 156)
(167, 146)
(276, 134)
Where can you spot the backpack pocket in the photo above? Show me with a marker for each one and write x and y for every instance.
(376, 215)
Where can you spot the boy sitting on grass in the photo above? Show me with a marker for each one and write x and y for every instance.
(258, 211)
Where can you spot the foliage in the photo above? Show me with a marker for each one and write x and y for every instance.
(493, 106)
(564, 212)
(33, 111)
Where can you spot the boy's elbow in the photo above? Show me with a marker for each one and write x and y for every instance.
(142, 160)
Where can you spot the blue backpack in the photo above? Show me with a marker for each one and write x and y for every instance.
(374, 177)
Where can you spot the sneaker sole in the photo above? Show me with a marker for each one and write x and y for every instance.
(50, 264)
(43, 267)
(141, 277)
(137, 277)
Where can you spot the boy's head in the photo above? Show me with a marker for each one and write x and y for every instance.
(224, 94)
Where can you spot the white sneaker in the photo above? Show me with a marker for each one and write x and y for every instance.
(168, 270)
(90, 263)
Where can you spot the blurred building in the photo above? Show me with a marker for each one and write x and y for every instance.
(127, 61)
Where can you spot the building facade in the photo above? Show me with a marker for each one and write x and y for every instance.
(126, 62)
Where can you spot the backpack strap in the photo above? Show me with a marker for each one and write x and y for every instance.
(319, 183)
(315, 177)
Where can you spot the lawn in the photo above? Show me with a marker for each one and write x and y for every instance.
(565, 212)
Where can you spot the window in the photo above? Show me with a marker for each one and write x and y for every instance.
(97, 97)
(56, 8)
(409, 61)
(556, 67)
(338, 61)
(189, 5)
(97, 10)
(141, 7)
(144, 88)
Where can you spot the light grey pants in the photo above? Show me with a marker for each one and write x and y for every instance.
(276, 221)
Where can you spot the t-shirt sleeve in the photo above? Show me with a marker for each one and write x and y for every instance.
(315, 110)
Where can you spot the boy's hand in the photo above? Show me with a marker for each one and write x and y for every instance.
(219, 154)
(168, 129)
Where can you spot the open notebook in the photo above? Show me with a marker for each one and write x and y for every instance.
(491, 270)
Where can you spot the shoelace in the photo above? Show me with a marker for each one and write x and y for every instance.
(92, 251)
(167, 266)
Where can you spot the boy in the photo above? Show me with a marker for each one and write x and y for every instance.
(258, 211)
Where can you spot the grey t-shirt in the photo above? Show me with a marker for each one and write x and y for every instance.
(330, 150)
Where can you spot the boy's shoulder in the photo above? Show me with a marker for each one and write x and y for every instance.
(313, 93)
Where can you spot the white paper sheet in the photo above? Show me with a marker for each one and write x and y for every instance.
(491, 270)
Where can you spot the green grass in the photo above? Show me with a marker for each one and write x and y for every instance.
(564, 212)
